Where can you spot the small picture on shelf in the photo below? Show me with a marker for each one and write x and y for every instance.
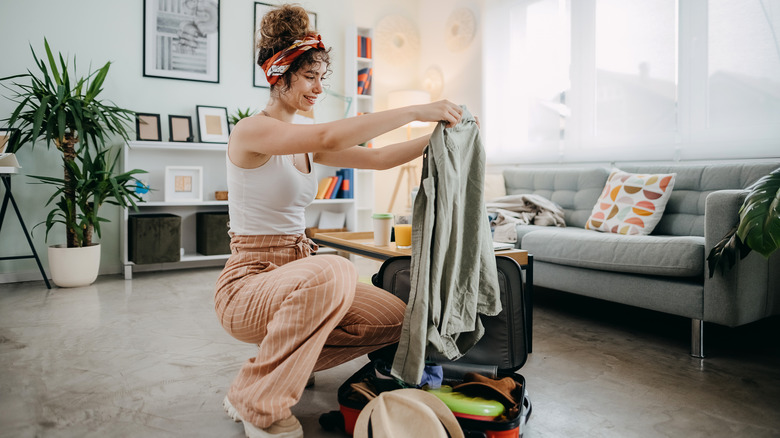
(212, 124)
(183, 183)
(147, 127)
(180, 128)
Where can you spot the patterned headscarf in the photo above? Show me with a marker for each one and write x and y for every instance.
(275, 66)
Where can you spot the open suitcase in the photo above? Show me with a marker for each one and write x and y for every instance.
(500, 353)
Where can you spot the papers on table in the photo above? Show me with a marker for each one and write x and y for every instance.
(9, 164)
(498, 246)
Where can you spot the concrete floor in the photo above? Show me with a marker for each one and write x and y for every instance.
(147, 358)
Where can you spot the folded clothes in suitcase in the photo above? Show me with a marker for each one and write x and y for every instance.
(356, 392)
(502, 351)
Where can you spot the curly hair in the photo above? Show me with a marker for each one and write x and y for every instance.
(279, 29)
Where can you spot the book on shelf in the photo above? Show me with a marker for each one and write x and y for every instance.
(331, 187)
(364, 47)
(364, 81)
(333, 191)
(322, 187)
(346, 189)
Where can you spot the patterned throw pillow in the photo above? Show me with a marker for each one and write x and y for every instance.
(631, 203)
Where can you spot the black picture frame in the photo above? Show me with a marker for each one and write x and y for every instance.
(212, 124)
(181, 40)
(180, 129)
(147, 127)
(258, 76)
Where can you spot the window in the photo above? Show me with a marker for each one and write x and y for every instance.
(606, 80)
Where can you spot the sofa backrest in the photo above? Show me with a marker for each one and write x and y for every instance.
(575, 190)
(684, 214)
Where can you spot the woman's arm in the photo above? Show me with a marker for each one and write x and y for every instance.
(269, 136)
(379, 159)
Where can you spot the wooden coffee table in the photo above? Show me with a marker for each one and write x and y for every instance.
(362, 243)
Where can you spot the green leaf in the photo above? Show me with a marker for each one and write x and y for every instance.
(759, 225)
(52, 64)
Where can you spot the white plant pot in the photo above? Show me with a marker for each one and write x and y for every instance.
(74, 267)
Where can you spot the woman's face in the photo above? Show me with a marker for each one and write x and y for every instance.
(306, 86)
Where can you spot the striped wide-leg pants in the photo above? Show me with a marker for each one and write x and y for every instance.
(304, 313)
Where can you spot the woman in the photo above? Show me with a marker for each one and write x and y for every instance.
(304, 313)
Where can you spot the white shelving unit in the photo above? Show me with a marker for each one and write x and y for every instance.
(155, 156)
(361, 103)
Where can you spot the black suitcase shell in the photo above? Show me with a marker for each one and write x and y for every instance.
(504, 346)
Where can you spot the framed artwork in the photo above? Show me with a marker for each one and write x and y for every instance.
(6, 135)
(147, 127)
(180, 128)
(181, 39)
(183, 183)
(212, 124)
(258, 76)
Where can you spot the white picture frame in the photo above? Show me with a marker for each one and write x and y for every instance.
(212, 124)
(183, 183)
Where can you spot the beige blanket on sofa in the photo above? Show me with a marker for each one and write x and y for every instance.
(513, 210)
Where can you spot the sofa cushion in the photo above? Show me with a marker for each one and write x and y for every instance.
(674, 256)
(684, 215)
(631, 203)
(495, 187)
(575, 190)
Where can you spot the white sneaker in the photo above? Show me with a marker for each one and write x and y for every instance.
(289, 427)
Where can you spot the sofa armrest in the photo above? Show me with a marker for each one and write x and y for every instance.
(748, 291)
(721, 214)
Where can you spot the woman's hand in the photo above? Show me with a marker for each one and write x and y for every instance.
(441, 111)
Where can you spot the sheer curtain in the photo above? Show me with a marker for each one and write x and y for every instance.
(606, 80)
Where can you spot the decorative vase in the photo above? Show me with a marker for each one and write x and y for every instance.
(74, 267)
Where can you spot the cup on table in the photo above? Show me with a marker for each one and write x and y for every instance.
(403, 231)
(383, 226)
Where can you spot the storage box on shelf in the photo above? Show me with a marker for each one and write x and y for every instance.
(212, 233)
(154, 238)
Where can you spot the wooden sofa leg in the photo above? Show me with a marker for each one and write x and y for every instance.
(697, 338)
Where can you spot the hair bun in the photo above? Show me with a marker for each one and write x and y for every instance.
(281, 27)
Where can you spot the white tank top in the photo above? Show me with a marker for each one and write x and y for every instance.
(270, 199)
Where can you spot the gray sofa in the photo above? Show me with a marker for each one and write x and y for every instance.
(665, 271)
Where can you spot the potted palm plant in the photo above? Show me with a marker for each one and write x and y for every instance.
(758, 228)
(63, 110)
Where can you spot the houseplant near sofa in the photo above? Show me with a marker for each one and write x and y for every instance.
(59, 108)
(758, 227)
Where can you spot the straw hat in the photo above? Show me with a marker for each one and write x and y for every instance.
(407, 413)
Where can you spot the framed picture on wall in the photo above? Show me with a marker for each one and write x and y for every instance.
(180, 128)
(183, 183)
(147, 127)
(258, 76)
(212, 124)
(181, 39)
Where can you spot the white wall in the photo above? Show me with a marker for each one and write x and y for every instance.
(462, 72)
(98, 31)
